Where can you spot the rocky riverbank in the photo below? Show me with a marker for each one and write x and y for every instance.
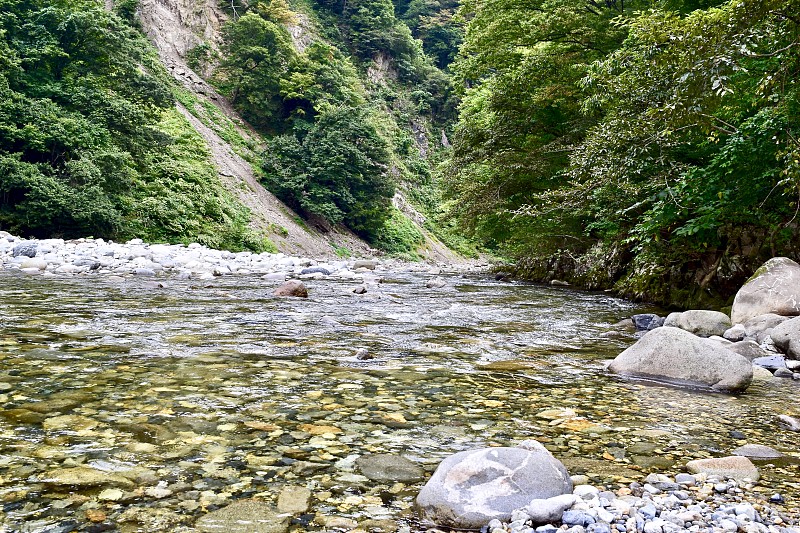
(526, 489)
(660, 504)
(56, 257)
(704, 348)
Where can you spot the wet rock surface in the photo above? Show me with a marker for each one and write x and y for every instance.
(471, 488)
(673, 354)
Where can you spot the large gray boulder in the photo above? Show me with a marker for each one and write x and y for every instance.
(760, 327)
(748, 349)
(676, 356)
(702, 323)
(786, 337)
(471, 488)
(774, 288)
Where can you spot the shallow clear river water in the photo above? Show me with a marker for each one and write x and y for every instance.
(194, 396)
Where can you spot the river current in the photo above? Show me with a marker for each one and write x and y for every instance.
(203, 393)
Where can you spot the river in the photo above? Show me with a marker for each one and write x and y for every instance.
(202, 393)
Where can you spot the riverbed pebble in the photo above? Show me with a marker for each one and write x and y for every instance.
(671, 511)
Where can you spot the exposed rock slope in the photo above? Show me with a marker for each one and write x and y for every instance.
(175, 27)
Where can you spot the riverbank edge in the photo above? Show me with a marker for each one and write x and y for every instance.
(688, 286)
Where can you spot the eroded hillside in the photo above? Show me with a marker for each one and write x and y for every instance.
(176, 27)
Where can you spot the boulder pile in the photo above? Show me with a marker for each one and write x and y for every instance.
(708, 349)
(527, 490)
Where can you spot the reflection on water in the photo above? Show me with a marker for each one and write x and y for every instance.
(193, 396)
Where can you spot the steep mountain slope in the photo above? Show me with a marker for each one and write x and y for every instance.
(176, 27)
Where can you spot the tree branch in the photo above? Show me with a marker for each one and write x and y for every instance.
(785, 15)
(733, 129)
(776, 52)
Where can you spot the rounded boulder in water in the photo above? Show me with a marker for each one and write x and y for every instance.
(676, 356)
(774, 288)
(292, 288)
(471, 488)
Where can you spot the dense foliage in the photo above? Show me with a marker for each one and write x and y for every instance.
(334, 169)
(338, 107)
(89, 141)
(649, 146)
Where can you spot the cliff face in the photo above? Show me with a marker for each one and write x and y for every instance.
(175, 27)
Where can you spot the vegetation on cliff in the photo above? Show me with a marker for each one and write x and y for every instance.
(90, 143)
(350, 106)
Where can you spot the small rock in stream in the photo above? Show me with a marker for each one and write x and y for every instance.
(248, 515)
(647, 321)
(436, 283)
(292, 288)
(386, 467)
(757, 451)
(789, 422)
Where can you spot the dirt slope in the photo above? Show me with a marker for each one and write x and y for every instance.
(175, 27)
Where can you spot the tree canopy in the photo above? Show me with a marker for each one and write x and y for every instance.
(89, 141)
(654, 136)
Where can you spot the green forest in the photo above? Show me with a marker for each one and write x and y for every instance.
(650, 147)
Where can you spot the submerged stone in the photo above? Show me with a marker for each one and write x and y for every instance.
(735, 467)
(389, 468)
(82, 476)
(757, 451)
(69, 423)
(248, 515)
(294, 500)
